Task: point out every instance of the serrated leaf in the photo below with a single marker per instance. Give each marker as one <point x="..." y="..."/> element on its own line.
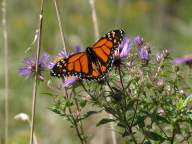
<point x="104" y="121"/>
<point x="154" y="136"/>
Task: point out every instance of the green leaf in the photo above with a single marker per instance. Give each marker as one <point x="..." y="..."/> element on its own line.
<point x="104" y="121"/>
<point x="88" y="114"/>
<point x="154" y="136"/>
<point x="48" y="94"/>
<point x="130" y="104"/>
<point x="157" y="118"/>
<point x="126" y="133"/>
<point x="68" y="103"/>
<point x="180" y="104"/>
<point x="140" y="121"/>
<point x="57" y="111"/>
<point x="121" y="125"/>
<point x="83" y="103"/>
<point x="188" y="100"/>
<point x="147" y="142"/>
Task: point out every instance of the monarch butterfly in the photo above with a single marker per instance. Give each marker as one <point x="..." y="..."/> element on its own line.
<point x="92" y="64"/>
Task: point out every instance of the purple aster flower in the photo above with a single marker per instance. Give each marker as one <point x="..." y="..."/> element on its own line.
<point x="125" y="48"/>
<point x="29" y="66"/>
<point x="138" y="41"/>
<point x="62" y="54"/>
<point x="69" y="82"/>
<point x="187" y="59"/>
<point x="144" y="53"/>
<point x="123" y="51"/>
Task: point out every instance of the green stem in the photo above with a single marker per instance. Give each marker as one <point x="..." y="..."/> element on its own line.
<point x="78" y="111"/>
<point x="173" y="136"/>
<point x="76" y="127"/>
<point x="135" y="112"/>
<point x="121" y="79"/>
<point x="75" y="122"/>
<point x="162" y="131"/>
<point x="109" y="86"/>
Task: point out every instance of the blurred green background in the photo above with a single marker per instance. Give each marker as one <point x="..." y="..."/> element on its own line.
<point x="163" y="23"/>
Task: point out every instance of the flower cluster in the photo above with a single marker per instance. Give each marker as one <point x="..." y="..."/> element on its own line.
<point x="146" y="99"/>
<point x="143" y="49"/>
<point x="29" y="66"/>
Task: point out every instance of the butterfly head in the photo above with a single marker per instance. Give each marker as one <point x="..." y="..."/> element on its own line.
<point x="116" y="36"/>
<point x="59" y="69"/>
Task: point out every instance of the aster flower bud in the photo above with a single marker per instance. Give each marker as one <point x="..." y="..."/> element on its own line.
<point x="143" y="53"/>
<point x="160" y="84"/>
<point x="138" y="41"/>
<point x="161" y="112"/>
<point x="159" y="57"/>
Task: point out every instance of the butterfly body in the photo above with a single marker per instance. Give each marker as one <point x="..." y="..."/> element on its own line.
<point x="92" y="64"/>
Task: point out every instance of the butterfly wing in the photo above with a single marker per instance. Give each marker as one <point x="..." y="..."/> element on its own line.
<point x="81" y="64"/>
<point x="76" y="64"/>
<point x="104" y="50"/>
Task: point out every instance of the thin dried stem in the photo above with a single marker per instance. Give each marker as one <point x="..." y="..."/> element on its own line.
<point x="94" y="19"/>
<point x="118" y="14"/>
<point x="96" y="31"/>
<point x="66" y="93"/>
<point x="36" y="74"/>
<point x="60" y="26"/>
<point x="4" y="24"/>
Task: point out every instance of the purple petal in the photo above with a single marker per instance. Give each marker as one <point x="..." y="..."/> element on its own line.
<point x="62" y="54"/>
<point x="50" y="65"/>
<point x="138" y="41"/>
<point x="125" y="47"/>
<point x="185" y="59"/>
<point x="178" y="61"/>
<point x="44" y="58"/>
<point x="25" y="71"/>
<point x="77" y="49"/>
<point x="28" y="61"/>
<point x="143" y="53"/>
<point x="70" y="82"/>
